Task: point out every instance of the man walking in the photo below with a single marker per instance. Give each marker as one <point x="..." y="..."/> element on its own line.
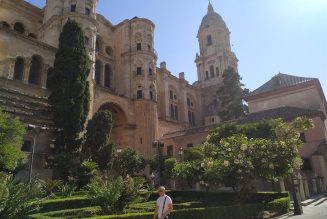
<point x="164" y="205"/>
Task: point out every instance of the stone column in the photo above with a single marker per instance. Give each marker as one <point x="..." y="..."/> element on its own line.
<point x="301" y="187"/>
<point x="306" y="187"/>
<point x="27" y="66"/>
<point x="11" y="67"/>
<point x="281" y="185"/>
<point x="314" y="185"/>
<point x="44" y="76"/>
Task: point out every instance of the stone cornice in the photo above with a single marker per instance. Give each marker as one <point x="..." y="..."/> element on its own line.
<point x="23" y="7"/>
<point x="29" y="39"/>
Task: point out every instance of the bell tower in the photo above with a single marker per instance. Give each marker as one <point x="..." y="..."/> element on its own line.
<point x="215" y="50"/>
<point x="214" y="58"/>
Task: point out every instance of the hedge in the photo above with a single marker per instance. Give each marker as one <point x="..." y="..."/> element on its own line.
<point x="225" y="212"/>
<point x="279" y="206"/>
<point x="264" y="197"/>
<point x="65" y="203"/>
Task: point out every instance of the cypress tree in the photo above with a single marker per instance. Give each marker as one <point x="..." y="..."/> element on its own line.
<point x="70" y="89"/>
<point x="231" y="95"/>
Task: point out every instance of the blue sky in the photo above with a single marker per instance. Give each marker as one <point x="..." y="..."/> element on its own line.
<point x="270" y="36"/>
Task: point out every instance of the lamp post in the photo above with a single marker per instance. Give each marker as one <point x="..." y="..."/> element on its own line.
<point x="36" y="132"/>
<point x="158" y="145"/>
<point x="296" y="196"/>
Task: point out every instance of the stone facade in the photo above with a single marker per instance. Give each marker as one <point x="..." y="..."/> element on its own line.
<point x="148" y="103"/>
<point x="300" y="95"/>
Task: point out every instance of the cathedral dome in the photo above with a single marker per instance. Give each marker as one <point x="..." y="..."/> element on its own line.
<point x="211" y="18"/>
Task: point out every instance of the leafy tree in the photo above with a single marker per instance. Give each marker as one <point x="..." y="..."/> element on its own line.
<point x="230" y="95"/>
<point x="169" y="165"/>
<point x="11" y="139"/>
<point x="97" y="145"/>
<point x="235" y="155"/>
<point x="70" y="88"/>
<point x="128" y="162"/>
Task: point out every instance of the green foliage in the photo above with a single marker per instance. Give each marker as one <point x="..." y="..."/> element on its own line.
<point x="234" y="155"/>
<point x="87" y="171"/>
<point x="67" y="189"/>
<point x="97" y="145"/>
<point x="50" y="186"/>
<point x="65" y="203"/>
<point x="169" y="166"/>
<point x="278" y="206"/>
<point x="11" y="139"/>
<point x="128" y="162"/>
<point x="16" y="199"/>
<point x="70" y="89"/>
<point x="230" y="95"/>
<point x="113" y="196"/>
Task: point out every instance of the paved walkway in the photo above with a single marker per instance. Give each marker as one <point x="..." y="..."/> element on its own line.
<point x="315" y="208"/>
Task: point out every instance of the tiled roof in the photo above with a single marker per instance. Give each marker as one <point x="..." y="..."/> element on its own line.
<point x="285" y="113"/>
<point x="280" y="81"/>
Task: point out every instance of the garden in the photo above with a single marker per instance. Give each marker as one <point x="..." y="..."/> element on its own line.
<point x="94" y="180"/>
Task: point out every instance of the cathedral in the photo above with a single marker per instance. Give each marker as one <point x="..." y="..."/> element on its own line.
<point x="149" y="104"/>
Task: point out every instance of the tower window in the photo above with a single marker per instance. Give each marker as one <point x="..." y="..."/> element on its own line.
<point x="19" y="27"/>
<point x="207" y="75"/>
<point x="150" y="71"/>
<point x="139" y="71"/>
<point x="87" y="11"/>
<point x="209" y="40"/>
<point x="212" y="71"/>
<point x="151" y="95"/>
<point x="138" y="46"/>
<point x="73" y="8"/>
<point x="217" y="71"/>
<point x="139" y="94"/>
<point x="171" y="95"/>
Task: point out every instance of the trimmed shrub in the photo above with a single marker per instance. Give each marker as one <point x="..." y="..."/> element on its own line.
<point x="229" y="212"/>
<point x="279" y="206"/>
<point x="65" y="203"/>
<point x="265" y="197"/>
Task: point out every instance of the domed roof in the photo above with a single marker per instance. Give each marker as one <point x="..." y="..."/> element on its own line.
<point x="211" y="18"/>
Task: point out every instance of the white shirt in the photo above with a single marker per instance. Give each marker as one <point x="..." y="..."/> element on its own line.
<point x="160" y="202"/>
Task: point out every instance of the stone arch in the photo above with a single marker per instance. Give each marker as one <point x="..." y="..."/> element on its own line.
<point x="36" y="69"/>
<point x="4" y="24"/>
<point x="19" y="68"/>
<point x="120" y="132"/>
<point x="98" y="71"/>
<point x="19" y="27"/>
<point x="107" y="75"/>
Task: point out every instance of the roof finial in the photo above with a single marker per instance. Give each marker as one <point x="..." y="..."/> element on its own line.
<point x="210" y="8"/>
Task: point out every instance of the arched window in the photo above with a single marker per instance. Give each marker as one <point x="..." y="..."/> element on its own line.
<point x="87" y="11"/>
<point x="19" y="27"/>
<point x="107" y="76"/>
<point x="35" y="74"/>
<point x="98" y="68"/>
<point x="209" y="40"/>
<point x="19" y="67"/>
<point x="5" y="24"/>
<point x="109" y="51"/>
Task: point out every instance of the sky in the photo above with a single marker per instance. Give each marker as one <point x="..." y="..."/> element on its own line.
<point x="267" y="36"/>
